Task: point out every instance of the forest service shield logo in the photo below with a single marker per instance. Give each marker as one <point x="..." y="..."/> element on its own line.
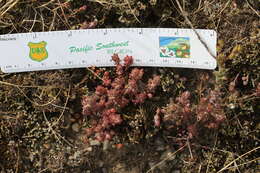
<point x="38" y="51"/>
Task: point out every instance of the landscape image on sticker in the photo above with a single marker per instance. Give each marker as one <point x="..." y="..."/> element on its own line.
<point x="175" y="47"/>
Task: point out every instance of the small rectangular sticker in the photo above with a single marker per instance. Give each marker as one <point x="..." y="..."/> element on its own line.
<point x="174" y="47"/>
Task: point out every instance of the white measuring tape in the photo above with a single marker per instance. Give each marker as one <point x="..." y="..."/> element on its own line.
<point x="159" y="47"/>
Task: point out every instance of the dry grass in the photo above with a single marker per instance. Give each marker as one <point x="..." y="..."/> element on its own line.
<point x="38" y="109"/>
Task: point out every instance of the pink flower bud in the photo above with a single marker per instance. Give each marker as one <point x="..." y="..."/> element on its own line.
<point x="108" y="136"/>
<point x="116" y="59"/>
<point x="100" y="90"/>
<point x="157" y="118"/>
<point x="128" y="60"/>
<point x="150" y="95"/>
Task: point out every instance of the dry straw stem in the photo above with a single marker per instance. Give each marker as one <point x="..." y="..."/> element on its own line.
<point x="129" y="5"/>
<point x="252" y="8"/>
<point x="57" y="135"/>
<point x="250" y="161"/>
<point x="188" y="144"/>
<point x="185" y="15"/>
<point x="46" y="4"/>
<point x="226" y="5"/>
<point x="30" y="100"/>
<point x="94" y="73"/>
<point x="167" y="158"/>
<point x="7" y="6"/>
<point x="109" y="2"/>
<point x="211" y="154"/>
<point x="64" y="107"/>
<point x="34" y="21"/>
<point x="7" y="115"/>
<point x="114" y="3"/>
<point x="63" y="13"/>
<point x="35" y="16"/>
<point x="228" y="165"/>
<point x="17" y="161"/>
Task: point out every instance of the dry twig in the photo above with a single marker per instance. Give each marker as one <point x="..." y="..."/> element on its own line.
<point x="30" y="100"/>
<point x="228" y="165"/>
<point x="185" y="15"/>
<point x="167" y="158"/>
<point x="57" y="135"/>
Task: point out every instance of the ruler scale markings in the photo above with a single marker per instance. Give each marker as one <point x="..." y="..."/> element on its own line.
<point x="81" y="48"/>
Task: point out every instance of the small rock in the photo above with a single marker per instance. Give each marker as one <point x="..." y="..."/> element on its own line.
<point x="46" y="146"/>
<point x="160" y="148"/>
<point x="104" y="170"/>
<point x="11" y="143"/>
<point x="168" y="155"/>
<point x="94" y="142"/>
<point x="105" y="145"/>
<point x="72" y="120"/>
<point x="89" y="149"/>
<point x="77" y="154"/>
<point x="151" y="164"/>
<point x="231" y="106"/>
<point x="161" y="71"/>
<point x="176" y="171"/>
<point x="31" y="156"/>
<point x="100" y="164"/>
<point x="75" y="127"/>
